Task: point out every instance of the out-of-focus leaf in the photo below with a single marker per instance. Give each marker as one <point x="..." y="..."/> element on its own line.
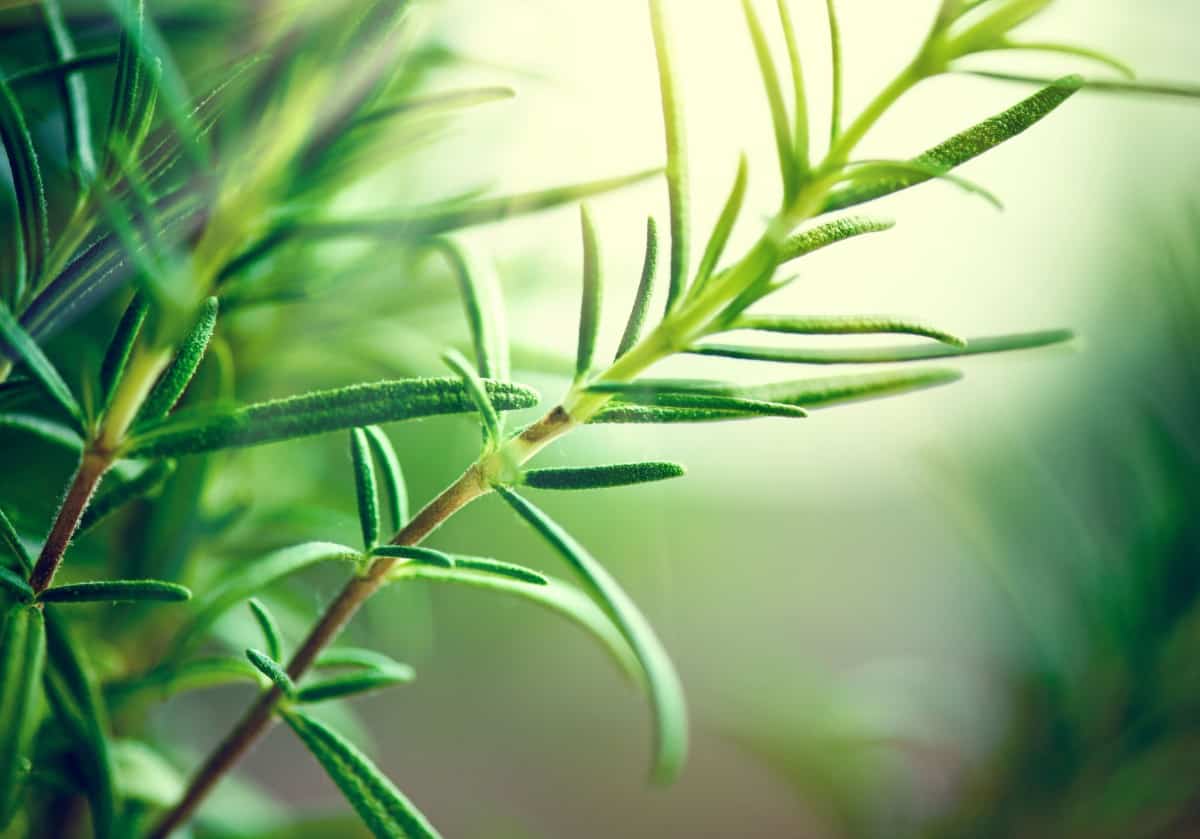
<point x="17" y="344"/>
<point x="22" y="656"/>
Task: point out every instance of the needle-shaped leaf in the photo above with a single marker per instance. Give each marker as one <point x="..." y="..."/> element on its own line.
<point x="178" y="375"/>
<point x="833" y="390"/>
<point x="800" y="131"/>
<point x="75" y="697"/>
<point x="780" y="122"/>
<point x="73" y="90"/>
<point x="273" y="670"/>
<point x="22" y="657"/>
<point x="32" y="217"/>
<point x="1075" y="52"/>
<point x="844" y="325"/>
<point x="645" y="290"/>
<point x="116" y="495"/>
<point x="1120" y="86"/>
<point x="551" y="594"/>
<point x="868" y="173"/>
<point x="318" y="412"/>
<point x="667" y="406"/>
<point x="627" y="414"/>
<point x="415" y="553"/>
<point x="662" y="682"/>
<point x="268" y="627"/>
<point x="808" y="241"/>
<point x="382" y="807"/>
<point x="49" y="431"/>
<point x="677" y="161"/>
<point x="488" y="417"/>
<point x="196" y="674"/>
<point x="393" y="477"/>
<point x="966" y="146"/>
<point x="436" y="104"/>
<point x="247" y="581"/>
<point x="879" y="355"/>
<point x="16" y="585"/>
<point x="598" y="477"/>
<point x="116" y="356"/>
<point x="13" y="545"/>
<point x="352" y="684"/>
<point x="113" y="591"/>
<point x="441" y="559"/>
<point x="835" y="53"/>
<point x="17" y="344"/>
<point x="83" y="61"/>
<point x="593" y="289"/>
<point x="993" y="27"/>
<point x="358" y="658"/>
<point x="484" y="307"/>
<point x="366" y="488"/>
<point x="724" y="226"/>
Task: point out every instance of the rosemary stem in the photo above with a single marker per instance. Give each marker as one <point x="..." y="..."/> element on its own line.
<point x="87" y="477"/>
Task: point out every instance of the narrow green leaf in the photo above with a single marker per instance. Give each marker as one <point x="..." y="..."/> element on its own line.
<point x="359" y="658"/>
<point x="835" y="51"/>
<point x="553" y="595"/>
<point x="436" y="104"/>
<point x="966" y="146"/>
<point x="113" y="591"/>
<point x="249" y="580"/>
<point x="489" y="418"/>
<point x="352" y="684"/>
<point x="384" y="809"/>
<point x="645" y="290"/>
<point x="33" y="222"/>
<point x="1137" y="88"/>
<point x="22" y="656"/>
<point x="879" y="355"/>
<point x="320" y="411"/>
<point x="677" y="165"/>
<point x="415" y="553"/>
<point x="484" y="307"/>
<point x="622" y="413"/>
<point x="268" y="627"/>
<point x="866" y="174"/>
<point x="815" y="393"/>
<point x="503" y="569"/>
<point x="175" y="379"/>
<point x="844" y="325"/>
<point x="16" y="343"/>
<point x="682" y="405"/>
<point x="593" y="289"/>
<point x="779" y="115"/>
<point x="366" y="488"/>
<point x="800" y="133"/>
<point x="114" y="496"/>
<point x="49" y="431"/>
<point x="723" y="228"/>
<point x="121" y="346"/>
<point x="666" y="693"/>
<point x="16" y="585"/>
<point x="1075" y="52"/>
<point x="839" y="230"/>
<point x="993" y="27"/>
<point x="12" y="541"/>
<point x="598" y="477"/>
<point x="75" y="697"/>
<point x="172" y="679"/>
<point x="73" y="91"/>
<point x="393" y="476"/>
<point x="273" y="671"/>
<point x="86" y="60"/>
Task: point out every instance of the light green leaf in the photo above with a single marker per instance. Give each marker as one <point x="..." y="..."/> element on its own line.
<point x="384" y="809"/>
<point x="366" y="489"/>
<point x="598" y="477"/>
<point x="1074" y="51"/>
<point x="666" y="693"/>
<point x="779" y="116"/>
<point x="833" y="390"/>
<point x="867" y="174"/>
<point x="844" y="325"/>
<point x="645" y="290"/>
<point x="723" y="228"/>
<point x="116" y="356"/>
<point x="12" y="542"/>
<point x="273" y="670"/>
<point x="1119" y="86"/>
<point x="484" y="307"/>
<point x="358" y="658"/>
<point x="321" y="411"/>
<point x="268" y="627"/>
<point x="835" y="49"/>
<point x="809" y="241"/>
<point x="489" y="419"/>
<point x="113" y="591"/>
<point x="593" y="288"/>
<point x="175" y="379"/>
<point x="436" y="104"/>
<point x="17" y="344"/>
<point x="677" y="163"/>
<point x="22" y="657"/>
<point x="800" y="129"/>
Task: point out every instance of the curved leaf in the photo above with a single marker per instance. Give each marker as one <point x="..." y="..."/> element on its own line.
<point x="844" y="325"/>
<point x="393" y="476"/>
<point x="268" y="627"/>
<point x="112" y="591"/>
<point x="645" y="290"/>
<point x="593" y="289"/>
<point x="366" y="490"/>
<point x="488" y="418"/>
<point x="597" y="477"/>
<point x="830" y="233"/>
<point x="17" y="344"/>
<point x="677" y="164"/>
<point x="788" y="170"/>
<point x="32" y="221"/>
<point x="273" y="670"/>
<point x="178" y="375"/>
<point x="22" y="656"/>
<point x="352" y="684"/>
<point x="484" y="307"/>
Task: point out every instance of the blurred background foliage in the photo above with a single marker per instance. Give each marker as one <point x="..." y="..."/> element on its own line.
<point x="967" y="613"/>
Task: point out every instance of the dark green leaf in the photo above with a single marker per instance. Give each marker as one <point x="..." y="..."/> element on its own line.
<point x="965" y="146"/>
<point x="22" y="655"/>
<point x="183" y="367"/>
<point x="415" y="553"/>
<point x="366" y="490"/>
<point x="779" y="116"/>
<point x="489" y="419"/>
<point x="879" y="355"/>
<point x="645" y="289"/>
<point x="677" y="165"/>
<point x="321" y="411"/>
<point x="596" y="477"/>
<point x="47" y="430"/>
<point x="32" y="218"/>
<point x="16" y="585"/>
<point x="114" y="497"/>
<point x="274" y="671"/>
<point x="662" y="681"/>
<point x="593" y="289"/>
<point x="83" y="61"/>
<point x="393" y="478"/>
<point x="503" y="569"/>
<point x="724" y="226"/>
<point x="121" y="345"/>
<point x="692" y="407"/>
<point x="830" y="233"/>
<point x="115" y="591"/>
<point x="16" y="343"/>
<point x="12" y="542"/>
<point x="352" y="684"/>
<point x="73" y="91"/>
<point x="268" y="627"/>
<point x="484" y="307"/>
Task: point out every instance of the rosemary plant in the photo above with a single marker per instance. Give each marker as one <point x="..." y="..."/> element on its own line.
<point x="186" y="208"/>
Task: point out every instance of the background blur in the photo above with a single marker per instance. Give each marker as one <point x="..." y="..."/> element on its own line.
<point x="956" y="613"/>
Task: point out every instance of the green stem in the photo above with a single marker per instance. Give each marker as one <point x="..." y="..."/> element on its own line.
<point x="840" y="151"/>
